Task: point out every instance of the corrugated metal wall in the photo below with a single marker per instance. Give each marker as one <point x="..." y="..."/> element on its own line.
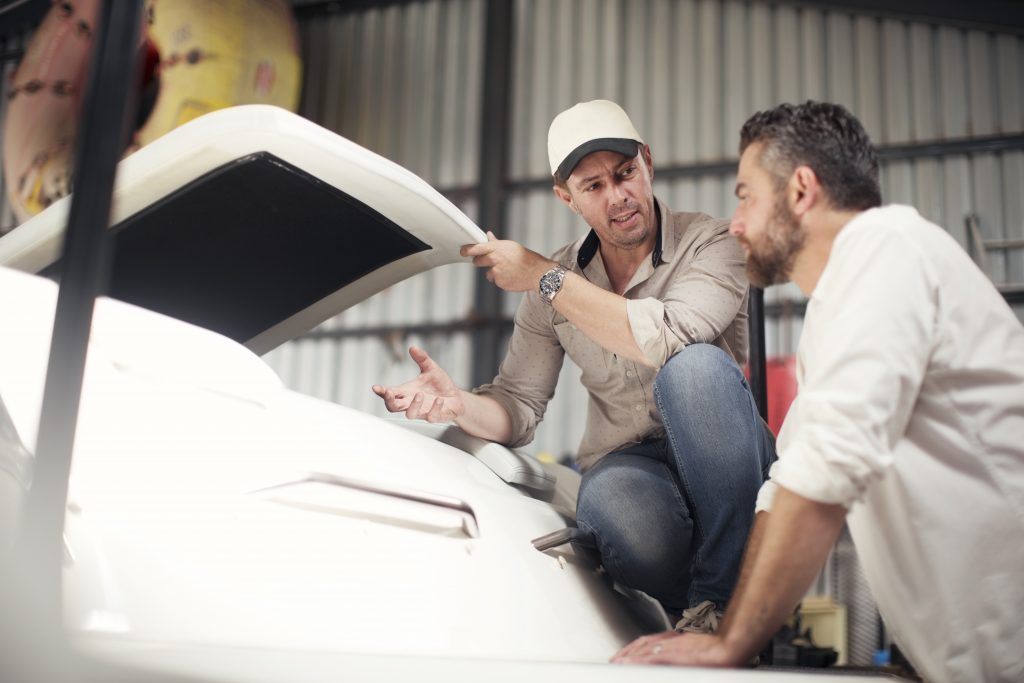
<point x="691" y="71"/>
<point x="404" y="80"/>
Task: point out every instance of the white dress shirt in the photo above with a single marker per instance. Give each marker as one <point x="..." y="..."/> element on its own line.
<point x="910" y="413"/>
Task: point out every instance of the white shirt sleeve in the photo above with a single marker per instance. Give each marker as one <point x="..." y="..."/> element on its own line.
<point x="867" y="341"/>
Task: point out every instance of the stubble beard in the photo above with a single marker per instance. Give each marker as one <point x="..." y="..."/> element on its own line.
<point x="635" y="238"/>
<point x="632" y="240"/>
<point x="771" y="261"/>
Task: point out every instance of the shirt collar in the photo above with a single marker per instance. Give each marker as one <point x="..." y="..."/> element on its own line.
<point x="591" y="243"/>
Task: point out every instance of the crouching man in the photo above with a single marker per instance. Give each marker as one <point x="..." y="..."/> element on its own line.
<point x="651" y="305"/>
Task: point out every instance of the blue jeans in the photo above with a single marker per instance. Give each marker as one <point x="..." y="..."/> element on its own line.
<point x="671" y="516"/>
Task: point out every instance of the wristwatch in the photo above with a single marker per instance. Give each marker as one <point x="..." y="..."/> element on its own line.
<point x="551" y="283"/>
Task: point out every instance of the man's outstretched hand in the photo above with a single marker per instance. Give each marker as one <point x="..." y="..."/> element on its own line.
<point x="431" y="396"/>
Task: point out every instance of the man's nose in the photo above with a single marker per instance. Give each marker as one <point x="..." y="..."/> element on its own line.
<point x="736" y="227"/>
<point x="618" y="194"/>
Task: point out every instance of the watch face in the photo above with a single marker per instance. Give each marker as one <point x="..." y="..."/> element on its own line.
<point x="551" y="282"/>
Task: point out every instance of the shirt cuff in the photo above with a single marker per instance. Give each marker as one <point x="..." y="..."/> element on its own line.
<point x="765" y="497"/>
<point x="647" y="323"/>
<point x="522" y="427"/>
<point x="831" y="481"/>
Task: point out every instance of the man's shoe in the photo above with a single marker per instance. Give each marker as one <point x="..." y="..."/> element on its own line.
<point x="704" y="618"/>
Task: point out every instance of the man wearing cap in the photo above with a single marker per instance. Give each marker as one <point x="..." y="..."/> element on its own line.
<point x="651" y="305"/>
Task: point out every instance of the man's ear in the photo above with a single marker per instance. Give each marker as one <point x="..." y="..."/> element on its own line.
<point x="648" y="159"/>
<point x="565" y="197"/>
<point x="804" y="190"/>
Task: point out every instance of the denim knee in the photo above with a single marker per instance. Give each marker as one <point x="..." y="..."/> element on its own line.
<point x="696" y="368"/>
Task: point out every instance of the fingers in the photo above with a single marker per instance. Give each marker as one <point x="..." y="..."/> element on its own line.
<point x="415" y="409"/>
<point x="423" y="360"/>
<point x="423" y="398"/>
<point x="430" y="409"/>
<point x="439" y="412"/>
<point x="477" y="249"/>
<point x="394" y="402"/>
<point x="631" y="648"/>
<point x="640" y="649"/>
<point x="684" y="649"/>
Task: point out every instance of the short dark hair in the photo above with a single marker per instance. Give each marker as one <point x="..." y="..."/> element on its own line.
<point x="827" y="138"/>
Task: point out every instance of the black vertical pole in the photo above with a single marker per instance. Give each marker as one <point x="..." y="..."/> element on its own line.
<point x="494" y="152"/>
<point x="758" y="363"/>
<point x="100" y="141"/>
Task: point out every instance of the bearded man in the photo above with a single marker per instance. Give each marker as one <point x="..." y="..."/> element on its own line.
<point x="908" y="425"/>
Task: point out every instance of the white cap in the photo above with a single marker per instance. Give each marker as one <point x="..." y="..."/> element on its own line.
<point x="598" y="125"/>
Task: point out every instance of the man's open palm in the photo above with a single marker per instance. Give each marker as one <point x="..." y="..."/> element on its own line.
<point x="431" y="396"/>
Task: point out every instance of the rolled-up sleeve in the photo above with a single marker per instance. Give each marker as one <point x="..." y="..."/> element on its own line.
<point x="528" y="375"/>
<point x="866" y="345"/>
<point x="702" y="301"/>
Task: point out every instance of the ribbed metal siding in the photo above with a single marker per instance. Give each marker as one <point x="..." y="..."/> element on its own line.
<point x="946" y="189"/>
<point x="404" y="81"/>
<point x="689" y="72"/>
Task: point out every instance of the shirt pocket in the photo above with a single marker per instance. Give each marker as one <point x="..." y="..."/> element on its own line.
<point x="590" y="357"/>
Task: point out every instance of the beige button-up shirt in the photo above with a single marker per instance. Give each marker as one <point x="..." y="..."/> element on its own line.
<point x="692" y="289"/>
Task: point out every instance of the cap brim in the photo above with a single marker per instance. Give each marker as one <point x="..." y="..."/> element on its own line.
<point x="623" y="146"/>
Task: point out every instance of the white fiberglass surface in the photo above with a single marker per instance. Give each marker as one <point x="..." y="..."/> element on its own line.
<point x="217" y="140"/>
<point x="179" y="529"/>
<point x="214" y="139"/>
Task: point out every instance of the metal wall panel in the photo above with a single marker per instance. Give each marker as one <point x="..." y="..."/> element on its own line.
<point x="690" y="72"/>
<point x="404" y="81"/>
<point x="946" y="189"/>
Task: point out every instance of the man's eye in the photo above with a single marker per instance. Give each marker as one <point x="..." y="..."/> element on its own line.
<point x="629" y="171"/>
